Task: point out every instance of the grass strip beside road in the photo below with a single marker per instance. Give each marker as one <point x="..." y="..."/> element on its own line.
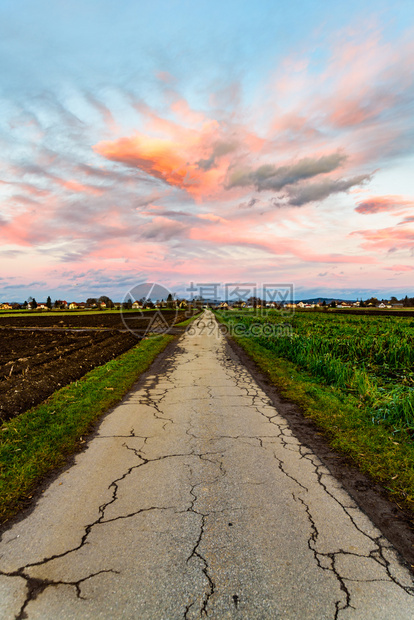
<point x="41" y="439"/>
<point x="188" y="321"/>
<point x="385" y="456"/>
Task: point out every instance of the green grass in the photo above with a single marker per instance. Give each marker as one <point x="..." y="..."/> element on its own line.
<point x="41" y="439"/>
<point x="338" y="370"/>
<point x="187" y="321"/>
<point x="368" y="356"/>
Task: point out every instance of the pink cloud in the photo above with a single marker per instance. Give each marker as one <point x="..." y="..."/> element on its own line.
<point x="186" y="114"/>
<point x="74" y="186"/>
<point x="324" y="130"/>
<point x="352" y="112"/>
<point x="243" y="237"/>
<point x="357" y="100"/>
<point x="386" y="239"/>
<point x="378" y="204"/>
<point x="211" y="217"/>
<point x="166" y="77"/>
<point x="400" y="268"/>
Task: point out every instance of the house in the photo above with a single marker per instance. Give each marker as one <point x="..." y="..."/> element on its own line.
<point x="73" y="305"/>
<point x="381" y="305"/>
<point x="5" y="306"/>
<point x="136" y="305"/>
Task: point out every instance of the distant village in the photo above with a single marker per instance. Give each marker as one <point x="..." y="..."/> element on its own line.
<point x="104" y="303"/>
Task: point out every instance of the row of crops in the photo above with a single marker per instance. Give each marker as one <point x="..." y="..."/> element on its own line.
<point x="369" y="357"/>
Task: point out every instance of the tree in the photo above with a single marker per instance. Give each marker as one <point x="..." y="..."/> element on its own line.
<point x="91" y="301"/>
<point x="333" y="304"/>
<point x="408" y="302"/>
<point x="170" y="301"/>
<point x="104" y="299"/>
<point x="255" y="301"/>
<point x="33" y="303"/>
<point x="49" y="303"/>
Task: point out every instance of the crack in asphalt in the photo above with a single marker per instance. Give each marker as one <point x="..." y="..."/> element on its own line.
<point x="377" y="553"/>
<point x="153" y="397"/>
<point x="195" y="552"/>
<point x="245" y="382"/>
<point x="312" y="540"/>
<point x="35" y="587"/>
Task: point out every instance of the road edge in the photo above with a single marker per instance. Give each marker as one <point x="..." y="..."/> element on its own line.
<point x="44" y="483"/>
<point x="396" y="524"/>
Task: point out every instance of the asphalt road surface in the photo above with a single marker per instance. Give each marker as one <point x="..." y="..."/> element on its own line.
<point x="194" y="500"/>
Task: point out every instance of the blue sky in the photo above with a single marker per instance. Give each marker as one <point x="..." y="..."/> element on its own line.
<point x="207" y="141"/>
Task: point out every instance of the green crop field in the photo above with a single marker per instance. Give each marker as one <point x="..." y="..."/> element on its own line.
<point x="371" y="358"/>
<point x="352" y="375"/>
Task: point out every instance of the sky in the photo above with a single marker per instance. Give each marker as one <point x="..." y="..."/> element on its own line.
<point x="224" y="142"/>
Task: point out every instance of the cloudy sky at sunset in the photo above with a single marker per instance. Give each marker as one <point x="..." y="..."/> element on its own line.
<point x="208" y="141"/>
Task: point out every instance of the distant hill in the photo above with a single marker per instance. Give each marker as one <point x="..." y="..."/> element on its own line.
<point x="328" y="300"/>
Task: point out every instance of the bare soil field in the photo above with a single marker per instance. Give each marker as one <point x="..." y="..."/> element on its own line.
<point x="34" y="364"/>
<point x="109" y="320"/>
<point x="42" y="353"/>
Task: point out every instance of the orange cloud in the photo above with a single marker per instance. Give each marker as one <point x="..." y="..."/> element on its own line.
<point x="174" y="161"/>
<point x="193" y="152"/>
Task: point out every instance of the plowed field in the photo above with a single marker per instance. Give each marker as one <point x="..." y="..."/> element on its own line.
<point x="41" y="353"/>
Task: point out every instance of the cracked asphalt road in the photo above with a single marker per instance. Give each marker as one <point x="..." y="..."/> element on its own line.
<point x="195" y="500"/>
